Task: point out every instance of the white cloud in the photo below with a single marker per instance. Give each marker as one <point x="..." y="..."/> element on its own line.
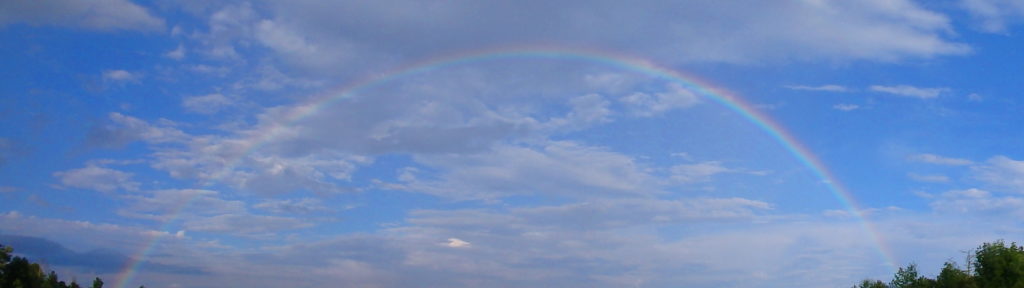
<point x="910" y="91"/>
<point x="557" y="168"/>
<point x="97" y="15"/>
<point x="689" y="173"/>
<point x="1003" y="172"/>
<point x="292" y="206"/>
<point x="206" y="104"/>
<point x="928" y="178"/>
<point x="245" y="224"/>
<point x="97" y="178"/>
<point x="586" y="110"/>
<point x="457" y="243"/>
<point x="939" y="160"/>
<point x="977" y="202"/>
<point x="647" y="105"/>
<point x="872" y="30"/>
<point x="846" y="107"/>
<point x="995" y="15"/>
<point x="120" y="76"/>
<point x="823" y="88"/>
<point x="177" y="53"/>
<point x="122" y="129"/>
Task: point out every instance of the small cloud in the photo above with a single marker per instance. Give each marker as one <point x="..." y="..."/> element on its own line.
<point x="176" y="54"/>
<point x="975" y="97"/>
<point x="97" y="178"/>
<point x="457" y="243"/>
<point x="845" y="107"/>
<point x="180" y="234"/>
<point x="822" y="88"/>
<point x="928" y="178"/>
<point x="119" y="76"/>
<point x="647" y="105"/>
<point x="910" y="91"/>
<point x="206" y="104"/>
<point x="699" y="172"/>
<point x="939" y="160"/>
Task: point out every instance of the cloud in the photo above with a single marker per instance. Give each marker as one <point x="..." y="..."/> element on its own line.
<point x="867" y="30"/>
<point x="121" y="129"/>
<point x="177" y="53"/>
<point x="846" y="107"/>
<point x="120" y="75"/>
<point x="292" y="206"/>
<point x="928" y="178"/>
<point x="1003" y="172"/>
<point x="43" y="250"/>
<point x="97" y="178"/>
<point x="556" y="168"/>
<point x="910" y="91"/>
<point x="206" y="104"/>
<point x="939" y="160"/>
<point x="699" y="172"/>
<point x="977" y="202"/>
<point x="823" y="88"/>
<point x="246" y="224"/>
<point x="995" y="15"/>
<point x="647" y="105"/>
<point x="457" y="243"/>
<point x="207" y="211"/>
<point x="103" y="15"/>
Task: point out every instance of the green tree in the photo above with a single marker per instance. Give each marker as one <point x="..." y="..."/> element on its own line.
<point x="51" y="280"/>
<point x="98" y="283"/>
<point x="953" y="277"/>
<point x="867" y="283"/>
<point x="905" y="277"/>
<point x="999" y="266"/>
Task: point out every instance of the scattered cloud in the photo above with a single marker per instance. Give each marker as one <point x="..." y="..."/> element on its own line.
<point x="206" y="104"/>
<point x="995" y="16"/>
<point x="846" y="107"/>
<point x="910" y="91"/>
<point x="939" y="160"/>
<point x="103" y="15"/>
<point x="556" y="168"/>
<point x="120" y="129"/>
<point x="1001" y="171"/>
<point x="975" y="97"/>
<point x="120" y="76"/>
<point x="823" y="88"/>
<point x="177" y="53"/>
<point x="928" y="178"/>
<point x="647" y="105"/>
<point x="457" y="243"/>
<point x="978" y="202"/>
<point x="97" y="178"/>
<point x="292" y="206"/>
<point x="689" y="173"/>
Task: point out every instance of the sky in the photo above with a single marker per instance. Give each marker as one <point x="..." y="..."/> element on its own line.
<point x="460" y="143"/>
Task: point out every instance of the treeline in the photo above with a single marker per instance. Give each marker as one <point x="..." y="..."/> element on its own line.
<point x="18" y="272"/>
<point x="992" y="265"/>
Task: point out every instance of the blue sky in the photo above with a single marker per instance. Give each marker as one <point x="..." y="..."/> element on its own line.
<point x="189" y="143"/>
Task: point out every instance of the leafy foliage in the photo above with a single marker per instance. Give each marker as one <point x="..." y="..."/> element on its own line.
<point x="995" y="264"/>
<point x="18" y="272"/>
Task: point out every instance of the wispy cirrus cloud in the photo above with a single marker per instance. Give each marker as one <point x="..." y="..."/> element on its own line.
<point x="910" y="91"/>
<point x="823" y="88"/>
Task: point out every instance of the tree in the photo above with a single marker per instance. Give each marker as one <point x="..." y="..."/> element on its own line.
<point x="953" y="277"/>
<point x="98" y="283"/>
<point x="905" y="278"/>
<point x="999" y="266"/>
<point x="867" y="283"/>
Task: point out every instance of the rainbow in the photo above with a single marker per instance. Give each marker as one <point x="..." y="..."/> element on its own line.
<point x="718" y="95"/>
